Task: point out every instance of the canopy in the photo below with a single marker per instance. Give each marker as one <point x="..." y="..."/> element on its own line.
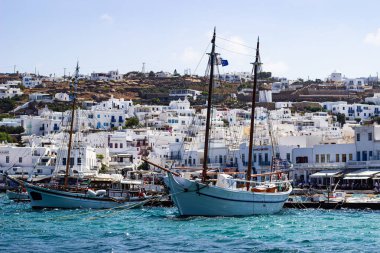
<point x="361" y="174"/>
<point x="326" y="174"/>
<point x="355" y="178"/>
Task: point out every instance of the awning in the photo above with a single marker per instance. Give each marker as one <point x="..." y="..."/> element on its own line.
<point x="136" y="182"/>
<point x="361" y="174"/>
<point x="326" y="174"/>
<point x="355" y="178"/>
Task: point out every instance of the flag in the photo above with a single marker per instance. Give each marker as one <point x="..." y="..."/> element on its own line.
<point x="224" y="62"/>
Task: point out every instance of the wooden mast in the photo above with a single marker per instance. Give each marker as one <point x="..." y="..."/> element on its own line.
<point x="71" y="126"/>
<point x="249" y="168"/>
<point x="208" y="117"/>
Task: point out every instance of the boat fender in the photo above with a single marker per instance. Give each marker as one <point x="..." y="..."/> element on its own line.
<point x="91" y="193"/>
<point x="100" y="193"/>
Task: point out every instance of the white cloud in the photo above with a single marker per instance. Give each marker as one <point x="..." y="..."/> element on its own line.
<point x="106" y="18"/>
<point x="373" y="38"/>
<point x="277" y="68"/>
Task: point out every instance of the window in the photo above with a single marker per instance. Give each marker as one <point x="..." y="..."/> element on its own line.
<point x="350" y="158"/>
<point x="370" y="155"/>
<point x="328" y="158"/>
<point x="111" y="145"/>
<point x="79" y="161"/>
<point x="20" y="159"/>
<point x="316" y="158"/>
<point x="121" y="145"/>
<point x="116" y="145"/>
<point x="7" y="159"/>
<point x="288" y="156"/>
<point x="344" y="158"/>
<point x="370" y="136"/>
<point x="302" y="159"/>
<point x="64" y="161"/>
<point x="357" y="137"/>
<point x="337" y="158"/>
<point x="323" y="158"/>
<point x="358" y="155"/>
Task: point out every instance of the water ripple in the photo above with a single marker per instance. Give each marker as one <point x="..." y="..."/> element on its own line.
<point x="161" y="230"/>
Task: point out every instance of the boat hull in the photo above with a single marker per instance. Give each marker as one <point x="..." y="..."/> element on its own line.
<point x="17" y="196"/>
<point x="41" y="197"/>
<point x="195" y="198"/>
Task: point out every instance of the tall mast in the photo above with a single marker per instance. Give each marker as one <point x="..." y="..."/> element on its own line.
<point x="71" y="124"/>
<point x="256" y="66"/>
<point x="208" y="117"/>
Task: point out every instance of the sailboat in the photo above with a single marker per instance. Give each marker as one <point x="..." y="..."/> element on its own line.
<point x="202" y="198"/>
<point x="66" y="197"/>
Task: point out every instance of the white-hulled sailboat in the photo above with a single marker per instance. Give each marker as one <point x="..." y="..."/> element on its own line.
<point x="193" y="197"/>
<point x="66" y="197"/>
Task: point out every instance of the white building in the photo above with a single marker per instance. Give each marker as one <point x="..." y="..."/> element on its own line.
<point x="355" y="84"/>
<point x="110" y="76"/>
<point x="10" y="89"/>
<point x="26" y="160"/>
<point x="281" y="85"/>
<point x="335" y="77"/>
<point x="63" y="97"/>
<point x="182" y="93"/>
<point x="30" y="82"/>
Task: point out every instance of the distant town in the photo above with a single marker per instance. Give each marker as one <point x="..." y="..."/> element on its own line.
<point x="323" y="126"/>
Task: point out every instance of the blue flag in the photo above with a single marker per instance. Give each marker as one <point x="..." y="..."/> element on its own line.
<point x="224" y="62"/>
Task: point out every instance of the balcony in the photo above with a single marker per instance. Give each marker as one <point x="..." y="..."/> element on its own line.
<point x="311" y="166"/>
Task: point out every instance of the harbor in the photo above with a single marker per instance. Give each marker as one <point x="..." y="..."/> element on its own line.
<point x="192" y="126"/>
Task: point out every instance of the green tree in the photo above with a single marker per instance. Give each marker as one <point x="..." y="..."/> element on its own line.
<point x="5" y="137"/>
<point x="12" y="130"/>
<point x="341" y="118"/>
<point x="131" y="122"/>
<point x="151" y="74"/>
<point x="7" y="104"/>
<point x="156" y="101"/>
<point x="143" y="166"/>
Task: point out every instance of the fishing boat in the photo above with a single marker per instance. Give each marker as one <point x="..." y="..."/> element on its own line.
<point x="203" y="198"/>
<point x="73" y="197"/>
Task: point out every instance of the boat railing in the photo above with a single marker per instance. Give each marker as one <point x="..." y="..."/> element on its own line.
<point x="258" y="183"/>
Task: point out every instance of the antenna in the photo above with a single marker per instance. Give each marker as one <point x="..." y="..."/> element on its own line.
<point x="14" y="69"/>
<point x="64" y="74"/>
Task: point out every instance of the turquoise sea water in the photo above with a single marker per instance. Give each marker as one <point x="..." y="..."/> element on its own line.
<point x="160" y="230"/>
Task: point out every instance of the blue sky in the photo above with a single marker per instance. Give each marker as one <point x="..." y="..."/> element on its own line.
<point x="299" y="38"/>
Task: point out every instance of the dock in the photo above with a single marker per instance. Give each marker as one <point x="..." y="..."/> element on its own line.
<point x="333" y="205"/>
